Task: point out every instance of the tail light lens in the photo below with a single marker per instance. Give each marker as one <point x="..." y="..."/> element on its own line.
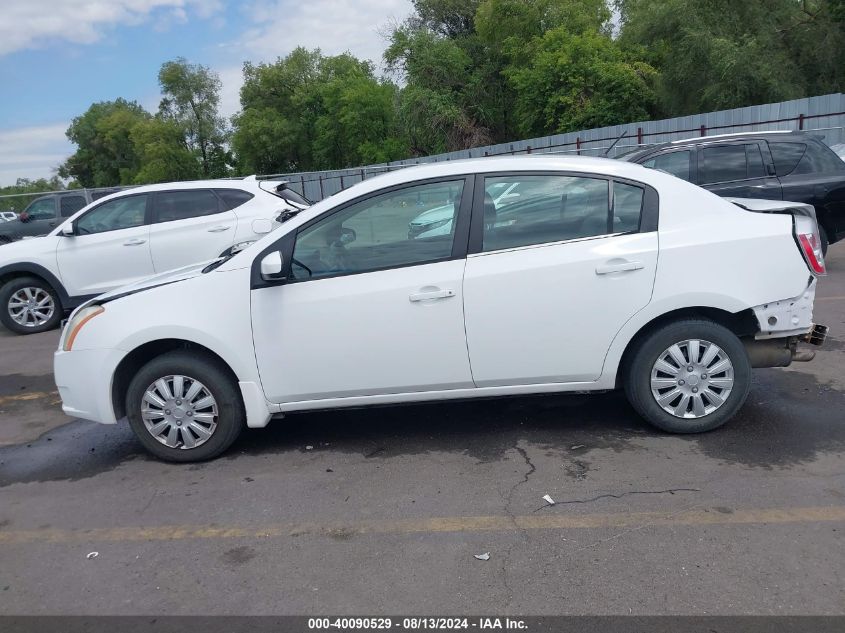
<point x="807" y="235"/>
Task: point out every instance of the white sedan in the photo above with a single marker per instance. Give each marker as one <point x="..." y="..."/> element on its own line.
<point x="600" y="275"/>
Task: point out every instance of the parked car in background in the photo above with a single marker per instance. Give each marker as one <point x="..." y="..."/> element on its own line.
<point x="8" y="216"/>
<point x="794" y="166"/>
<point x="601" y="275"/>
<point x="131" y="235"/>
<point x="45" y="213"/>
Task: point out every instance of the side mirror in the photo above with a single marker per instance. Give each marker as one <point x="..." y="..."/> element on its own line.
<point x="272" y="266"/>
<point x="67" y="230"/>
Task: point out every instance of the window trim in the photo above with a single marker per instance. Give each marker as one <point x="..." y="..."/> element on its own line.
<point x="222" y="207"/>
<point x="147" y="214"/>
<point x="649" y="213"/>
<point x="287" y="242"/>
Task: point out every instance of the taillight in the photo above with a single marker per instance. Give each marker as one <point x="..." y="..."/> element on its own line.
<point x="807" y="234"/>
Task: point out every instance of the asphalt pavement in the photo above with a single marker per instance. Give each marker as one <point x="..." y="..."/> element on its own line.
<point x="383" y="510"/>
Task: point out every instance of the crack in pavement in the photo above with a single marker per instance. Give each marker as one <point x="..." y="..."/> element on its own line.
<point x="508" y="499"/>
<point x="670" y="491"/>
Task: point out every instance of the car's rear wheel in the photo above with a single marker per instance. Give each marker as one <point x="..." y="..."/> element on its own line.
<point x="689" y="376"/>
<point x="185" y="407"/>
<point x="29" y="305"/>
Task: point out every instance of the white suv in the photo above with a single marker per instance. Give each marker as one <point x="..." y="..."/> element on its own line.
<point x="601" y="274"/>
<point x="131" y="235"/>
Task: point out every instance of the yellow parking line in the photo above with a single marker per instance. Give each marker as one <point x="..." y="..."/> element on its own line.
<point x="31" y="395"/>
<point x="546" y="521"/>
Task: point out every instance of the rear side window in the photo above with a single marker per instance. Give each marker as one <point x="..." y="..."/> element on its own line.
<point x="675" y="163"/>
<point x="786" y="156"/>
<point x="182" y="205"/>
<point x="68" y="205"/>
<point x="627" y="207"/>
<point x="724" y="163"/>
<point x="819" y="158"/>
<point x="233" y="198"/>
<point x="548" y="209"/>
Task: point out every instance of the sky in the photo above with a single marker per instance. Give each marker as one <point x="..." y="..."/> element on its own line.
<point x="57" y="57"/>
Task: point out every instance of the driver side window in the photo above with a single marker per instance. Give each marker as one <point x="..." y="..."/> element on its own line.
<point x="121" y="213"/>
<point x="381" y="232"/>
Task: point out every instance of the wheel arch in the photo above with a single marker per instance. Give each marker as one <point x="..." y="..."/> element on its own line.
<point x="29" y="269"/>
<point x="141" y="355"/>
<point x="742" y="323"/>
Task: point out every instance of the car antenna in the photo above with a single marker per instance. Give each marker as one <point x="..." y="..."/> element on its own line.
<point x="619" y="138"/>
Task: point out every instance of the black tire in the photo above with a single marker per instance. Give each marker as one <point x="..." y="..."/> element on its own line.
<point x="638" y="373"/>
<point x="230" y="419"/>
<point x="19" y="283"/>
<point x="824" y="240"/>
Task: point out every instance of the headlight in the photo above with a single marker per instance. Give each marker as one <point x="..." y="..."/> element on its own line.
<point x="75" y="325"/>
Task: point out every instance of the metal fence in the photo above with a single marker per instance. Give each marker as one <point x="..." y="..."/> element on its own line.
<point x="824" y="114"/>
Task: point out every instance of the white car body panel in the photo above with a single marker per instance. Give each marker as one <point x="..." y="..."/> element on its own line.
<point x="184" y="242"/>
<point x="93" y="264"/>
<point x="344" y="333"/>
<point x="520" y="304"/>
<point x="546" y="310"/>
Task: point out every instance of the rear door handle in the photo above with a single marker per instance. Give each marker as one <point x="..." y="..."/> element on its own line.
<point x="431" y="294"/>
<point x="218" y="229"/>
<point x="618" y="268"/>
<point x="134" y="242"/>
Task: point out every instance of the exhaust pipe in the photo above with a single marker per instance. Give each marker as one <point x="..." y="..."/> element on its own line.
<point x="776" y="352"/>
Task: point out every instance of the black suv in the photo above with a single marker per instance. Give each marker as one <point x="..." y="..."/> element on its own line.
<point x="793" y="166"/>
<point x="44" y="214"/>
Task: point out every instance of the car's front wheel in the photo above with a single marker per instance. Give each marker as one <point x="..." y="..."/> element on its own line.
<point x="29" y="305"/>
<point x="689" y="376"/>
<point x="185" y="407"/>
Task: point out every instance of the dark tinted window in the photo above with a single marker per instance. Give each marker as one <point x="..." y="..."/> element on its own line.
<point x="373" y="234"/>
<point x="786" y="156"/>
<point x="121" y="213"/>
<point x="181" y="205"/>
<point x="43" y="209"/>
<point x="548" y="209"/>
<point x="234" y="197"/>
<point x="755" y="161"/>
<point x="102" y="193"/>
<point x="723" y="163"/>
<point x="819" y="158"/>
<point x="69" y="205"/>
<point x="627" y="207"/>
<point x="675" y="163"/>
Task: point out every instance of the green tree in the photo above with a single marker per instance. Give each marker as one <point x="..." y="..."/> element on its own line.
<point x="718" y="54"/>
<point x="191" y="101"/>
<point x="306" y="111"/>
<point x="579" y="81"/>
<point x="105" y="152"/>
<point x="163" y="153"/>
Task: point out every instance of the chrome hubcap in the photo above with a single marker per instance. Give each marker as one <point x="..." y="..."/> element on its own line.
<point x="692" y="378"/>
<point x="31" y="307"/>
<point x="179" y="412"/>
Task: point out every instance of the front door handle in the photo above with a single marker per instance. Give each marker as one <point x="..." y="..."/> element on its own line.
<point x="618" y="267"/>
<point x="431" y="294"/>
<point x="134" y="242"/>
<point x="219" y="229"/>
